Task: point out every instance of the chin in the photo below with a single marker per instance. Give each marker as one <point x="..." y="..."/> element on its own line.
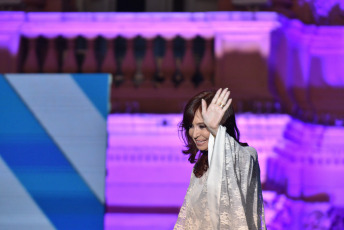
<point x="203" y="148"/>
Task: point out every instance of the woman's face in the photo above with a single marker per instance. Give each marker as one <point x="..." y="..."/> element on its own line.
<point x="199" y="132"/>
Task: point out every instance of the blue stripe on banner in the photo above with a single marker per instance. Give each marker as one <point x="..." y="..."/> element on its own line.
<point x="93" y="87"/>
<point x="42" y="168"/>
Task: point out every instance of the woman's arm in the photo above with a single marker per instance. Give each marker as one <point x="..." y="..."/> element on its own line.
<point x="242" y="163"/>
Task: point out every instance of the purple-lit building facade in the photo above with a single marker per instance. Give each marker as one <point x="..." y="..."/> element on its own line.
<point x="287" y="80"/>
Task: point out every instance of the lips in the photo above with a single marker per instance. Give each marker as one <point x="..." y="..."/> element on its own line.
<point x="198" y="143"/>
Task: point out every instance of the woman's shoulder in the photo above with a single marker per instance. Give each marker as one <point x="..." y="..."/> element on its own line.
<point x="246" y="157"/>
<point x="241" y="150"/>
<point x="251" y="152"/>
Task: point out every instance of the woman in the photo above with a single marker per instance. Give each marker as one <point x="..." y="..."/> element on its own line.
<point x="225" y="189"/>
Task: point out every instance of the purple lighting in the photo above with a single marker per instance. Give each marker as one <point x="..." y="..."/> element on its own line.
<point x="147" y="171"/>
<point x="297" y="67"/>
<point x="323" y="7"/>
<point x="148" y="174"/>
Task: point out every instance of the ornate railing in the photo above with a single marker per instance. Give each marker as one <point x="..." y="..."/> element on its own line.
<point x="152" y="56"/>
<point x="159" y="57"/>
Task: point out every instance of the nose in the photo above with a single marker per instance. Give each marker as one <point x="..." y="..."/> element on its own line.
<point x="195" y="133"/>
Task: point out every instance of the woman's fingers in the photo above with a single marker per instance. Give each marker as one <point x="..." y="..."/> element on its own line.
<point x="204" y="107"/>
<point x="213" y="113"/>
<point x="217" y="94"/>
<point x="225" y="99"/>
<point x="221" y="101"/>
<point x="229" y="102"/>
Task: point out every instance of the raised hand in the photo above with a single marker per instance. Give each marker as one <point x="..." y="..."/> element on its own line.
<point x="214" y="112"/>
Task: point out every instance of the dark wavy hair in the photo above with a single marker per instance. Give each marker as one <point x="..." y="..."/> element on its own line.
<point x="194" y="104"/>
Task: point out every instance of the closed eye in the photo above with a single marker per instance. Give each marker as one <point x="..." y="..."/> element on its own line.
<point x="202" y="126"/>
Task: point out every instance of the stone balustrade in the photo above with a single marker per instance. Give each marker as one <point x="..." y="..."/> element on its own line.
<point x="150" y="55"/>
<point x="172" y="56"/>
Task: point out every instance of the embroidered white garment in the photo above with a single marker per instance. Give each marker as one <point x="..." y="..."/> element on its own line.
<point x="229" y="194"/>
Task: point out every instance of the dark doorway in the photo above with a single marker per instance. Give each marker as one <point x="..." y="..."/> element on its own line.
<point x="178" y="5"/>
<point x="131" y="5"/>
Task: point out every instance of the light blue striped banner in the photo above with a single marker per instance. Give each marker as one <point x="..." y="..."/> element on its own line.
<point x="52" y="150"/>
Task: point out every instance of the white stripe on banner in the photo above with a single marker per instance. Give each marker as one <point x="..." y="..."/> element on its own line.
<point x="71" y="120"/>
<point x="18" y="209"/>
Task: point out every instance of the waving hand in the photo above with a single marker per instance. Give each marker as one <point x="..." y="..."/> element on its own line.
<point x="214" y="112"/>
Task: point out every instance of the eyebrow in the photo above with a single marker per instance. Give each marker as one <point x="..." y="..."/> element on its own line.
<point x="200" y="123"/>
